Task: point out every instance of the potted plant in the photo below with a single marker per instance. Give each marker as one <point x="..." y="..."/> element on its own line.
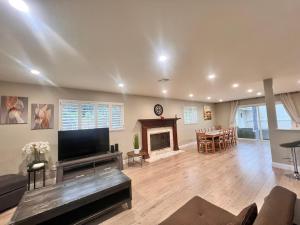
<point x="136" y="144"/>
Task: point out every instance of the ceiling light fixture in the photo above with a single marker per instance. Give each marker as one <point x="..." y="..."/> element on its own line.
<point x="235" y="85"/>
<point x="19" y="5"/>
<point x="162" y="58"/>
<point x="250" y="90"/>
<point x="208" y="98"/>
<point x="121" y="85"/>
<point x="220" y="100"/>
<point x="211" y="76"/>
<point x="164" y="91"/>
<point x="35" y="72"/>
<point x="191" y="95"/>
<point x="258" y="94"/>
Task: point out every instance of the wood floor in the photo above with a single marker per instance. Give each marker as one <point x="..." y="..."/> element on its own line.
<point x="232" y="180"/>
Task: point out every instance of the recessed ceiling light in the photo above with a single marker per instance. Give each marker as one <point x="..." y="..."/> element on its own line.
<point x="208" y="98"/>
<point x="211" y="76"/>
<point x="235" y="85"/>
<point x="35" y="72"/>
<point x="250" y="90"/>
<point x="121" y="85"/>
<point x="164" y="91"/>
<point x="19" y="5"/>
<point x="191" y="95"/>
<point x="298" y="81"/>
<point x="258" y="93"/>
<point x="220" y="100"/>
<point x="162" y="58"/>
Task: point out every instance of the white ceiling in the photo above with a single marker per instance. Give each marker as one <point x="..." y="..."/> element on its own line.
<point x="96" y="44"/>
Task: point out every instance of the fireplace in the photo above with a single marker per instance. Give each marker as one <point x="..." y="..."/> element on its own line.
<point x="156" y="126"/>
<point x="160" y="141"/>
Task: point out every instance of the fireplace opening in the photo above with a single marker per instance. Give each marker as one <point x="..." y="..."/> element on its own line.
<point x="160" y="141"/>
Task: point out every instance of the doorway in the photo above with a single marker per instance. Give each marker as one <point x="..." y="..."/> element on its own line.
<point x="252" y="122"/>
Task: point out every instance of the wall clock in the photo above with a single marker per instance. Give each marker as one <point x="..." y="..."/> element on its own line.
<point x="158" y="109"/>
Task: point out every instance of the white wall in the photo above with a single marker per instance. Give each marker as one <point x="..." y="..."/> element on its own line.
<point x="14" y="137"/>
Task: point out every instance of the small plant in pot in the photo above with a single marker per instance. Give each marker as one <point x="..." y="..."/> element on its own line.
<point x="136" y="144"/>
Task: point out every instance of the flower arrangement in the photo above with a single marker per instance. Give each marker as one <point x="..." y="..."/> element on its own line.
<point x="36" y="148"/>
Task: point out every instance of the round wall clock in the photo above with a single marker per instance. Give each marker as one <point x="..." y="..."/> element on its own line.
<point x="158" y="109"/>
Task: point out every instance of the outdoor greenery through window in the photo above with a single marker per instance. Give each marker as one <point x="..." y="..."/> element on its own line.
<point x="76" y="115"/>
<point x="190" y="115"/>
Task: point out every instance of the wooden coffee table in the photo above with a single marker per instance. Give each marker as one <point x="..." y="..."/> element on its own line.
<point x="76" y="201"/>
<point x="132" y="155"/>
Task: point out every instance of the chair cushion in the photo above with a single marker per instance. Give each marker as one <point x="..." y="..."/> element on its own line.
<point x="248" y="215"/>
<point x="11" y="182"/>
<point x="278" y="208"/>
<point x="198" y="211"/>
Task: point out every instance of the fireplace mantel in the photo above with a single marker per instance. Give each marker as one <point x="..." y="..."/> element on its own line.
<point x="155" y="123"/>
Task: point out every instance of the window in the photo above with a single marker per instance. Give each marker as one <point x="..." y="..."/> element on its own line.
<point x="76" y="115"/>
<point x="284" y="120"/>
<point x="190" y="115"/>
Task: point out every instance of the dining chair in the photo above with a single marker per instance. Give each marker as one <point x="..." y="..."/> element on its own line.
<point x="203" y="143"/>
<point x="234" y="136"/>
<point x="220" y="142"/>
<point x="227" y="138"/>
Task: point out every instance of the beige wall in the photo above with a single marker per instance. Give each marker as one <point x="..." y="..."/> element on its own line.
<point x="14" y="137"/>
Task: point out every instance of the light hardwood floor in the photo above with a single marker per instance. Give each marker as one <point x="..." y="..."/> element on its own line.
<point x="231" y="179"/>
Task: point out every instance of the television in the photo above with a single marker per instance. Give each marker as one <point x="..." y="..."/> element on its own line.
<point x="73" y="144"/>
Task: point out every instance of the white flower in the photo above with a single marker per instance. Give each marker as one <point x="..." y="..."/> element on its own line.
<point x="41" y="147"/>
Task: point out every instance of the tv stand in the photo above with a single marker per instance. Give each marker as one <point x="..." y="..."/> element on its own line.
<point x="77" y="168"/>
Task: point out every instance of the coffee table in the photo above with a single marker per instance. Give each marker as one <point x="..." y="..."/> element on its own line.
<point x="76" y="201"/>
<point x="132" y="155"/>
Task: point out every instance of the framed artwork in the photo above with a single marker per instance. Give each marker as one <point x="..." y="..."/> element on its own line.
<point x="207" y="112"/>
<point x="14" y="110"/>
<point x="42" y="116"/>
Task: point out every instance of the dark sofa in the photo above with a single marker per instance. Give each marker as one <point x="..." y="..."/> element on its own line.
<point x="278" y="209"/>
<point x="12" y="188"/>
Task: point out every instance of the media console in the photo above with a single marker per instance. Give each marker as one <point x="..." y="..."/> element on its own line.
<point x="70" y="169"/>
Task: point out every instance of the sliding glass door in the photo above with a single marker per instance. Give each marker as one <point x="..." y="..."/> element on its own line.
<point x="252" y="122"/>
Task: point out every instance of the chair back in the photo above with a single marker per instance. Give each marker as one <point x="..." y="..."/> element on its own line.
<point x="201" y="136"/>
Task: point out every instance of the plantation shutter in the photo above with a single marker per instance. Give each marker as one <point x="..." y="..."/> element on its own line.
<point x="87" y="116"/>
<point x="75" y="115"/>
<point x="103" y="116"/>
<point x="190" y="115"/>
<point x="69" y="116"/>
<point x="116" y="116"/>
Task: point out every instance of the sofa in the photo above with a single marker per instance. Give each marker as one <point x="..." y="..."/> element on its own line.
<point x="278" y="209"/>
<point x="12" y="188"/>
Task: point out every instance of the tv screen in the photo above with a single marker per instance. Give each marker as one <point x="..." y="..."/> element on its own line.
<point x="74" y="144"/>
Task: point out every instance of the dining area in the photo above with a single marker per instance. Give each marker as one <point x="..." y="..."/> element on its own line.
<point x="215" y="139"/>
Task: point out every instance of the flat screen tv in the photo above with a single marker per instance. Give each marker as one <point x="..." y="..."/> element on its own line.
<point x="75" y="144"/>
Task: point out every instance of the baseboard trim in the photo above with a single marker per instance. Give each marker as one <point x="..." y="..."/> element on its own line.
<point x="187" y="145"/>
<point x="284" y="166"/>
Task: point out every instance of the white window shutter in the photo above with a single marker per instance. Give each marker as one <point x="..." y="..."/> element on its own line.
<point x="103" y="116"/>
<point x="190" y="115"/>
<point x="69" y="118"/>
<point x="87" y="116"/>
<point x="116" y="116"/>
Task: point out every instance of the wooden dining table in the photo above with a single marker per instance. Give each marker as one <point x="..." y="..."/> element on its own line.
<point x="213" y="135"/>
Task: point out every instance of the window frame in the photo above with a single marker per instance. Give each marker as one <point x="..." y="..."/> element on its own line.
<point x="96" y="103"/>
<point x="197" y="115"/>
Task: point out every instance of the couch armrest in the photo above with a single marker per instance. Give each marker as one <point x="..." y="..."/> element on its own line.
<point x="297" y="212"/>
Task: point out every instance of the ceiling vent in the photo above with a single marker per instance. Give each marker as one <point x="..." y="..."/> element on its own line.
<point x="163" y="80"/>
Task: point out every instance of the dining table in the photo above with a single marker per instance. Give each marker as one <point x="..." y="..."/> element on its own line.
<point x="213" y="135"/>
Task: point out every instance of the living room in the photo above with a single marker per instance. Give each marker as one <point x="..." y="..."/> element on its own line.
<point x="188" y="108"/>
